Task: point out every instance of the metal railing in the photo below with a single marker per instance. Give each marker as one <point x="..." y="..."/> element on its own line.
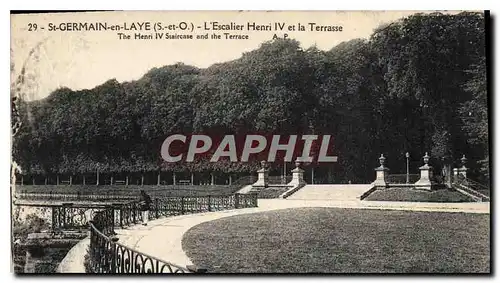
<point x="109" y="256"/>
<point x="72" y="217"/>
<point x="402" y="178"/>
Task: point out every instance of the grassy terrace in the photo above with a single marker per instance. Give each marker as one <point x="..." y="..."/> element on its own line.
<point x="130" y="190"/>
<point x="334" y="240"/>
<point x="407" y="194"/>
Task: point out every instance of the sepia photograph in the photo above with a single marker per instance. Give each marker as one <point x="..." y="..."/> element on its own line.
<point x="250" y="142"/>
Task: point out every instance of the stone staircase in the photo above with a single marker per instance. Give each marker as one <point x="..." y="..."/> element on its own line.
<point x="331" y="192"/>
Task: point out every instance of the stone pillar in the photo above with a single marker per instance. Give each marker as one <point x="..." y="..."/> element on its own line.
<point x="297" y="175"/>
<point x="462" y="170"/>
<point x="262" y="176"/>
<point x="29" y="262"/>
<point x="425" y="182"/>
<point x="381" y="173"/>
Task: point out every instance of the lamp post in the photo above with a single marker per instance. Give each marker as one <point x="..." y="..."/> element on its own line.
<point x="284" y="171"/>
<point x="407" y="167"/>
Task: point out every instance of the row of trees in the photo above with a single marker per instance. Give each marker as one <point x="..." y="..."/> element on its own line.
<point x="417" y="85"/>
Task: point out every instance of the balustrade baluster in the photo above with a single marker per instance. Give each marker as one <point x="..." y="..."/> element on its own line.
<point x="182" y="205"/>
<point x="113" y="254"/>
<point x="236" y="200"/>
<point x="54" y="218"/>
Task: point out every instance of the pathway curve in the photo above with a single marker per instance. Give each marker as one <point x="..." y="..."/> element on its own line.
<point x="162" y="238"/>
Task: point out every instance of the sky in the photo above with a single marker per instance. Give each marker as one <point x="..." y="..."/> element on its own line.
<point x="84" y="59"/>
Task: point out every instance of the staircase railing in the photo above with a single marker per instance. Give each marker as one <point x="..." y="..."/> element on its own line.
<point x="292" y="191"/>
<point x="245" y="180"/>
<point x="471" y="188"/>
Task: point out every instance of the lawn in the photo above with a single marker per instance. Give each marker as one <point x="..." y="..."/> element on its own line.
<point x="408" y="194"/>
<point x="335" y="240"/>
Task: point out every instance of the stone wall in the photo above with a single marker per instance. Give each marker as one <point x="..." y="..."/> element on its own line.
<point x="44" y="251"/>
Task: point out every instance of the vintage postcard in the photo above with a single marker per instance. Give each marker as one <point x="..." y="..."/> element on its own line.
<point x="289" y="142"/>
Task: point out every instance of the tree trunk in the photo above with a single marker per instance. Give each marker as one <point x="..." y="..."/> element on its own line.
<point x="212" y="177"/>
<point x="126" y="180"/>
<point x="312" y="175"/>
<point x="46" y="181"/>
<point x="97" y="183"/>
<point x="192" y="178"/>
<point x="173" y="177"/>
<point x="142" y="179"/>
<point x="448" y="173"/>
<point x="70" y="180"/>
<point x="111" y="179"/>
<point x="33" y="179"/>
<point x="57" y="179"/>
<point x="230" y="180"/>
<point x="84" y="180"/>
<point x="22" y="180"/>
<point x="159" y="178"/>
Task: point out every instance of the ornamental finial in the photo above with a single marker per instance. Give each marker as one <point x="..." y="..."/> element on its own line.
<point x="426" y="158"/>
<point x="464" y="160"/>
<point x="381" y="160"/>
